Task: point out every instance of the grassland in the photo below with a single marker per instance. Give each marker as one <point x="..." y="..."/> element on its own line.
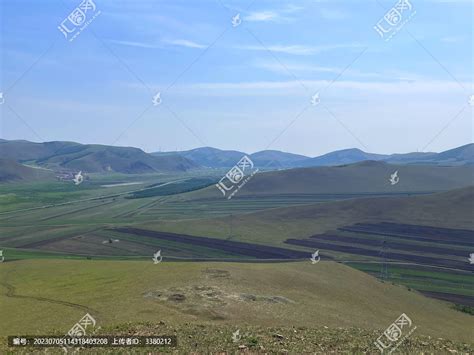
<point x="363" y="178"/>
<point x="213" y="298"/>
<point x="60" y="263"/>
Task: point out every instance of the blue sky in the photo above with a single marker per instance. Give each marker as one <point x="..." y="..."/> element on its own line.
<point x="246" y="87"/>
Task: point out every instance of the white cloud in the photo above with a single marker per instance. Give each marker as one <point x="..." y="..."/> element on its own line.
<point x="174" y="42"/>
<point x="297" y="49"/>
<point x="275" y="15"/>
<point x="134" y="44"/>
<point x="262" y="16"/>
<point x="184" y="43"/>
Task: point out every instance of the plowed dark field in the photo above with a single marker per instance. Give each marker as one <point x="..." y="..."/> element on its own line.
<point x="391" y="244"/>
<point x="315" y="244"/>
<point x="247" y="249"/>
<point x="423" y="233"/>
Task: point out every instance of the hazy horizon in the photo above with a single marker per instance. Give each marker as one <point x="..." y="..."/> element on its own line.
<point x="247" y="152"/>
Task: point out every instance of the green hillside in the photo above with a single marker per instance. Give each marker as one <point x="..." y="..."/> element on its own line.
<point x="56" y="293"/>
<point x="92" y="158"/>
<point x="361" y="178"/>
<point x="11" y="171"/>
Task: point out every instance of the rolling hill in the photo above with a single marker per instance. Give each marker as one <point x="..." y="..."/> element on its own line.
<point x="208" y="156"/>
<point x="235" y="295"/>
<point x="216" y="158"/>
<point x="92" y="158"/>
<point x="450" y="209"/>
<point x="95" y="158"/>
<point x="458" y="156"/>
<point x="360" y="178"/>
<point x="12" y="171"/>
<point x="275" y="158"/>
<point x="346" y="156"/>
<point x="21" y="150"/>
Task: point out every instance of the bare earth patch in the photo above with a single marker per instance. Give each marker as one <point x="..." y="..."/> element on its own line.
<point x="210" y="300"/>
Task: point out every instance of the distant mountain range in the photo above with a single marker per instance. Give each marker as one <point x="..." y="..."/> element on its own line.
<point x="216" y="158"/>
<point x="95" y="158"/>
<point x="91" y="158"/>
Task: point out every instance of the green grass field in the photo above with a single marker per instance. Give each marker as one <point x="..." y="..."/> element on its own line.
<point x="54" y="294"/>
<point x="59" y="264"/>
<point x="422" y="278"/>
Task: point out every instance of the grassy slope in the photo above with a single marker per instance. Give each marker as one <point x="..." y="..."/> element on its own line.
<point x="92" y="157"/>
<point x="366" y="177"/>
<point x="453" y="209"/>
<point x="325" y="294"/>
<point x="11" y="171"/>
<point x="425" y="280"/>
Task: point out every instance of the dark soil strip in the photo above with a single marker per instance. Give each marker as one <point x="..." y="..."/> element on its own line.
<point x="421" y="234"/>
<point x="247" y="249"/>
<point x="315" y="244"/>
<point x="392" y="245"/>
<point x="464" y="234"/>
<point x="450" y="297"/>
<point x="418" y="239"/>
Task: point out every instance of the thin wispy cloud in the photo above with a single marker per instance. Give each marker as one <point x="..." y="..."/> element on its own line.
<point x="305" y="68"/>
<point x="262" y="16"/>
<point x="315" y="41"/>
<point x="184" y="43"/>
<point x="274" y="15"/>
<point x="135" y="44"/>
<point x="172" y="42"/>
<point x="293" y="87"/>
<point x="297" y="49"/>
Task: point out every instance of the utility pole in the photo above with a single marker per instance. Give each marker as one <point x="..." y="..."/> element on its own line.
<point x="231" y="226"/>
<point x="384" y="267"/>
